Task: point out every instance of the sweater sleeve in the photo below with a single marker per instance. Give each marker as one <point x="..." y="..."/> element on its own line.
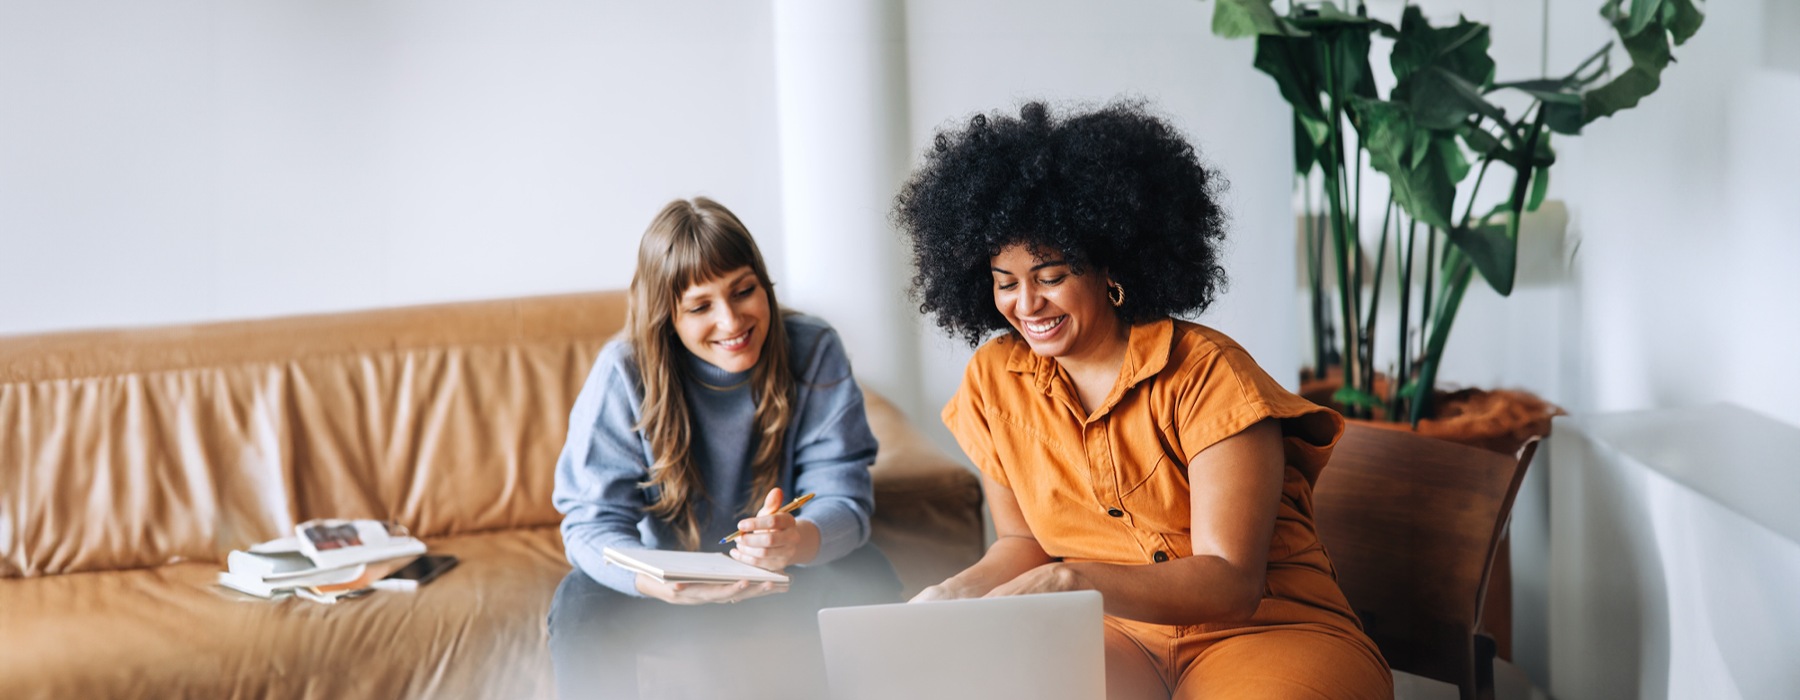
<point x="598" y="473"/>
<point x="832" y="452"/>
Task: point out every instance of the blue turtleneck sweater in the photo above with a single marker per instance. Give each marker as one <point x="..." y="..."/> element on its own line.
<point x="827" y="452"/>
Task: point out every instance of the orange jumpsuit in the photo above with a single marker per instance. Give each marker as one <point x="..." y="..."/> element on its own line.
<point x="1113" y="487"/>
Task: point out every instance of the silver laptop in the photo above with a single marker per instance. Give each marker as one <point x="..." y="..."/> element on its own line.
<point x="1045" y="647"/>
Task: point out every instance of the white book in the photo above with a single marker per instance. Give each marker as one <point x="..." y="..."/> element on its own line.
<point x="257" y="585"/>
<point x="278" y="560"/>
<point x="692" y="567"/>
<point x="253" y="585"/>
<point x="252" y="563"/>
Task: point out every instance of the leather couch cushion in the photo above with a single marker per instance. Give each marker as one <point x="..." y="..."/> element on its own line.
<point x="478" y="632"/>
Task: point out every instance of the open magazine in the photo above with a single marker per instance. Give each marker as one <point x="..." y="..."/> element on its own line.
<point x="336" y="543"/>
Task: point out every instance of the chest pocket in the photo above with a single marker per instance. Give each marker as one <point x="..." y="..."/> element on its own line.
<point x="1153" y="481"/>
<point x="1029" y="450"/>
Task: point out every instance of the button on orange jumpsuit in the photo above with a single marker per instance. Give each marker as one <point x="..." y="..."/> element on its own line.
<point x="1113" y="487"/>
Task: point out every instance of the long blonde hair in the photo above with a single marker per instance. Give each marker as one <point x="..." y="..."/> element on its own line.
<point x="689" y="242"/>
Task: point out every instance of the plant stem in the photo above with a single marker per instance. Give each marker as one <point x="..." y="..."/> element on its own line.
<point x="1321" y="305"/>
<point x="1366" y="339"/>
<point x="1309" y="235"/>
<point x="1456" y="281"/>
<point x="1387" y="219"/>
<point x="1404" y="372"/>
<point x="1344" y="238"/>
<point x="1431" y="267"/>
<point x="1479" y="176"/>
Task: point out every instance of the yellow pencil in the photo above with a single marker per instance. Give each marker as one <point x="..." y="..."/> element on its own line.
<point x="789" y="508"/>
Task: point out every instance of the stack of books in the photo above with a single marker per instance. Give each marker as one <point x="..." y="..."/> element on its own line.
<point x="329" y="560"/>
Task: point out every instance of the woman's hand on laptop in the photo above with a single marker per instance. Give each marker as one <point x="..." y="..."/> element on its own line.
<point x="1048" y="578"/>
<point x="1054" y="577"/>
<point x="704" y="593"/>
<point x="967" y="584"/>
<point x="942" y="591"/>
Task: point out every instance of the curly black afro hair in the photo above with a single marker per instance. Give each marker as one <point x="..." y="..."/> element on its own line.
<point x="1115" y="189"/>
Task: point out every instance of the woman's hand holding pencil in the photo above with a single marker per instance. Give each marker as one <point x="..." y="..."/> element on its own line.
<point x="775" y="539"/>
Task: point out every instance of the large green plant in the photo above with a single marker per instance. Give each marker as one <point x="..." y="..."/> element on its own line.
<point x="1435" y="127"/>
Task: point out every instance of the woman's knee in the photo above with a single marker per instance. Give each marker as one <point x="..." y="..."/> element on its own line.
<point x="580" y="604"/>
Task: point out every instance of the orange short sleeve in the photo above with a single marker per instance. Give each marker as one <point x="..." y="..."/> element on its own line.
<point x="1223" y="391"/>
<point x="966" y="417"/>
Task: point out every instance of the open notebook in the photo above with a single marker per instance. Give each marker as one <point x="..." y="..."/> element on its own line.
<point x="694" y="567"/>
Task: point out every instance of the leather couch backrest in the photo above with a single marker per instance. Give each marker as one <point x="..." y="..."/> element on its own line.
<point x="134" y="448"/>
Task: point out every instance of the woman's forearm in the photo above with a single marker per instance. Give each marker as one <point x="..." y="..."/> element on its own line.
<point x="1005" y="560"/>
<point x="1188" y="591"/>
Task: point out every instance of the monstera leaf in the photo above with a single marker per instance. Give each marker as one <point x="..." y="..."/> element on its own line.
<point x="1442" y="100"/>
<point x="1562" y="99"/>
<point x="1331" y="56"/>
<point x="1293" y="63"/>
<point x="1422" y="165"/>
<point x="1238" y="19"/>
<point x="1442" y="72"/>
<point x="1493" y="248"/>
<point x="1645" y="28"/>
<point x="1461" y="48"/>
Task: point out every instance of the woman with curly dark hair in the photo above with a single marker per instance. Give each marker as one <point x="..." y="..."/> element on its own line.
<point x="1123" y="450"/>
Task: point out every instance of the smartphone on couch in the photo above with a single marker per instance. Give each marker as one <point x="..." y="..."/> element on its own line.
<point x="418" y="572"/>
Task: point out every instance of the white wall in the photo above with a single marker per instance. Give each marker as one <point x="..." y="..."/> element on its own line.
<point x="198" y="160"/>
<point x="193" y="160"/>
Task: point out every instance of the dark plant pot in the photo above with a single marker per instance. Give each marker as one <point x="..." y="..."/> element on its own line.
<point x="1501" y="420"/>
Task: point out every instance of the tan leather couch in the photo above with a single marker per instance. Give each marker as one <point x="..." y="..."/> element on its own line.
<point x="132" y="461"/>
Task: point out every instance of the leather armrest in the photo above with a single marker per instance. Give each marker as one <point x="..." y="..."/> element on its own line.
<point x="927" y="505"/>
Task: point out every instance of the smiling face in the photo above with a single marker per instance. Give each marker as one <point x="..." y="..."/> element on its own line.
<point x="725" y="320"/>
<point x="1060" y="314"/>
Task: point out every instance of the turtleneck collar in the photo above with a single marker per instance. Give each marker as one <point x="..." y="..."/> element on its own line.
<point x="710" y="376"/>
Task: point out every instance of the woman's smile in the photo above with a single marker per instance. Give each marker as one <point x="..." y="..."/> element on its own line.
<point x="1045" y="329"/>
<point x="736" y="343"/>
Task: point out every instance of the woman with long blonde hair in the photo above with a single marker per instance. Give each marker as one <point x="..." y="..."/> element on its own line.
<point x="712" y="409"/>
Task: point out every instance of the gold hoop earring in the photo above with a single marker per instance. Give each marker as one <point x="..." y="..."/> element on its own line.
<point x="1115" y="293"/>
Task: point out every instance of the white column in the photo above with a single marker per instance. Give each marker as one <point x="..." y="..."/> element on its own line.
<point x="840" y="73"/>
